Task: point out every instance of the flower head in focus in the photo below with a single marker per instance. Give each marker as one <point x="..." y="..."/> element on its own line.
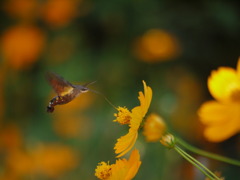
<point x="154" y="127"/>
<point x="133" y="119"/>
<point x="122" y="170"/>
<point x="221" y="116"/>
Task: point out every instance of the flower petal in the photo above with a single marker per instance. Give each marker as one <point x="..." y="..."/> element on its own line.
<point x="222" y="121"/>
<point x="219" y="133"/>
<point x="136" y="118"/>
<point x="125" y="143"/>
<point x="134" y="164"/>
<point x="126" y="169"/>
<point x="212" y="112"/>
<point x="222" y="83"/>
<point x="145" y="99"/>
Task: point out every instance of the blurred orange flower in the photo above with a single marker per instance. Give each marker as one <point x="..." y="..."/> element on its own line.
<point x="154" y="127"/>
<point x="125" y="143"/>
<point x="53" y="160"/>
<point x="20" y="163"/>
<point x="24" y="9"/>
<point x="221" y="116"/>
<point x="22" y="45"/>
<point x="122" y="170"/>
<point x="73" y="126"/>
<point x="49" y="160"/>
<point x="58" y="13"/>
<point x="156" y="45"/>
<point x="10" y="137"/>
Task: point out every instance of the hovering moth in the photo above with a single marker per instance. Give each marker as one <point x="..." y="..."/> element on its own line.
<point x="66" y="91"/>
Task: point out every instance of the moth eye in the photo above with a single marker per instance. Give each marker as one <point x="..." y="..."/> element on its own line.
<point x="84" y="89"/>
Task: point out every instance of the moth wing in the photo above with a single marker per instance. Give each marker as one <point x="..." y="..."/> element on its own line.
<point x="59" y="84"/>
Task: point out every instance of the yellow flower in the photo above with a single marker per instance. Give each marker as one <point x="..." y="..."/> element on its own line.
<point x="125" y="143"/>
<point x="222" y="116"/>
<point x="154" y="128"/>
<point x="122" y="170"/>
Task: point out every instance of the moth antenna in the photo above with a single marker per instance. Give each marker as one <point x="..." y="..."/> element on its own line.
<point x="109" y="102"/>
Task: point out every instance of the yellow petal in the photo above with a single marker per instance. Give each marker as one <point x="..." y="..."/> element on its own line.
<point x="219" y="133"/>
<point x="145" y="99"/>
<point x="222" y="121"/>
<point x="125" y="143"/>
<point x="136" y="118"/>
<point x="134" y="164"/>
<point x="223" y="83"/>
<point x="212" y="112"/>
<point x="126" y="169"/>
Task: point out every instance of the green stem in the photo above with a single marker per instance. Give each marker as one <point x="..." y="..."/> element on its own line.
<point x="208" y="154"/>
<point x="192" y="162"/>
<point x="199" y="164"/>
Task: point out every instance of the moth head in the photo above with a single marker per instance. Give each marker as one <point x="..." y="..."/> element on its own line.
<point x="84" y="89"/>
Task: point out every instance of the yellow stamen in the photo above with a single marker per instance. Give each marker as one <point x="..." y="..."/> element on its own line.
<point x="123" y="116"/>
<point x="103" y="171"/>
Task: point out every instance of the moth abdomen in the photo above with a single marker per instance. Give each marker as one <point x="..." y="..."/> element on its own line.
<point x="58" y="100"/>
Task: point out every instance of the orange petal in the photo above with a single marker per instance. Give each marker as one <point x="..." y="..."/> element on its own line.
<point x="222" y="121"/>
<point x="136" y="118"/>
<point x="219" y="133"/>
<point x="222" y="83"/>
<point x="126" y="169"/>
<point x="213" y="112"/>
<point x="134" y="164"/>
<point x="125" y="143"/>
<point x="145" y="99"/>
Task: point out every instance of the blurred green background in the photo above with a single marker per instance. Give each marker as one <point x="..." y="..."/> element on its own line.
<point x="172" y="45"/>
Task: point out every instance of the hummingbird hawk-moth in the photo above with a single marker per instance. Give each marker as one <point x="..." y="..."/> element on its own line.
<point x="66" y="91"/>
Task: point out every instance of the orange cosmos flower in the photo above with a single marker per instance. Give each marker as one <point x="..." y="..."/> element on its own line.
<point x="221" y="116"/>
<point x="122" y="170"/>
<point x="59" y="13"/>
<point x="134" y="118"/>
<point x="156" y="45"/>
<point x="154" y="128"/>
<point x="54" y="160"/>
<point x="22" y="45"/>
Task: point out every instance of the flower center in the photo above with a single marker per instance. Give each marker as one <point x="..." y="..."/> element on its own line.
<point x="123" y="116"/>
<point x="103" y="171"/>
